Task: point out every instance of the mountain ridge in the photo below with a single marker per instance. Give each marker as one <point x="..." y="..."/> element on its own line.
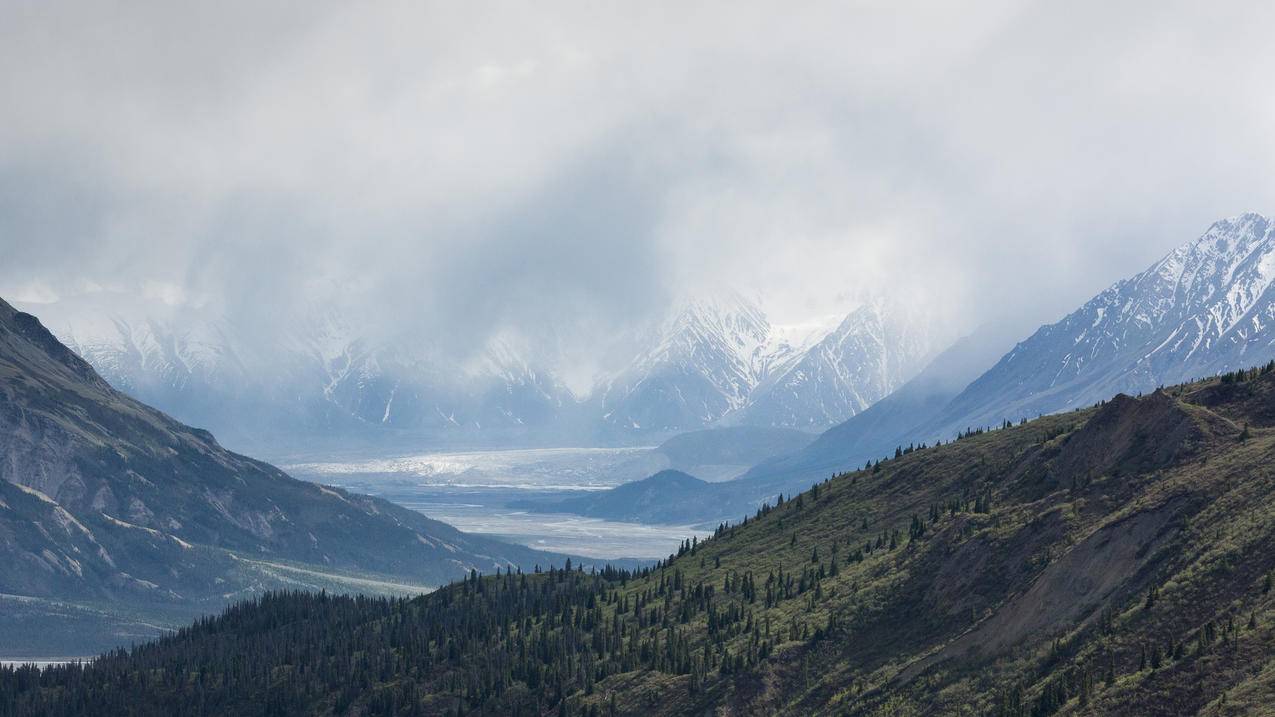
<point x="1223" y="279"/>
<point x="105" y="499"/>
<point x="1216" y="292"/>
<point x="717" y="360"/>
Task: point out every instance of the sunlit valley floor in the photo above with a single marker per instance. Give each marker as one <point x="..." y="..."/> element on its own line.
<point x="479" y="492"/>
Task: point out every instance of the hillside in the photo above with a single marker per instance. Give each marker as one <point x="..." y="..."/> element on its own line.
<point x="105" y="503"/>
<point x="1112" y="560"/>
<point x="672" y="494"/>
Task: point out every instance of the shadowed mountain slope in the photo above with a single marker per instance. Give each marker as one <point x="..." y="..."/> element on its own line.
<point x="103" y="499"/>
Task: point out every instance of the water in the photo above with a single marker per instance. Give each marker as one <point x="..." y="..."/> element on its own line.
<point x="487" y="492"/>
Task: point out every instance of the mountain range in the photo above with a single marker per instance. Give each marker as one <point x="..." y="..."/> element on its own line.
<point x="716" y="361"/>
<point x="116" y="513"/>
<point x="722" y="361"/>
<point x="318" y="376"/>
<point x="1207" y="307"/>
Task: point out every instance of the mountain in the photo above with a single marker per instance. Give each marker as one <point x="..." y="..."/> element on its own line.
<point x="721" y="362"/>
<point x="1207" y="307"/>
<point x="1113" y="560"/>
<point x="106" y="502"/>
<point x="889" y="423"/>
<point x="322" y="377"/>
<point x="871" y="434"/>
<point x="631" y="501"/>
<point x="329" y="380"/>
<point x="702" y="364"/>
<point x="871" y="353"/>
<point x="716" y="454"/>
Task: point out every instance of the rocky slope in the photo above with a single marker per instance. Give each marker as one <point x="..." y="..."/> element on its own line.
<point x="1207" y="307"/>
<point x="105" y="499"/>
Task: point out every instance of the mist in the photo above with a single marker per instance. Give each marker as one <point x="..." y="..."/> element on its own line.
<point x="563" y="174"/>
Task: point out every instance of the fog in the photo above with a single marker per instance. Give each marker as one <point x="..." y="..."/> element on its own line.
<point x="564" y="172"/>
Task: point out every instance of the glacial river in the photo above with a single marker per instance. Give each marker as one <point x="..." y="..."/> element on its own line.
<point x="474" y="490"/>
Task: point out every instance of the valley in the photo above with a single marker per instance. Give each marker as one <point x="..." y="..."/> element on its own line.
<point x="712" y="359"/>
<point x="477" y="492"/>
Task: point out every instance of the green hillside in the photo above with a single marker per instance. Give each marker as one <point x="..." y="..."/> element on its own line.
<point x="1107" y="561"/>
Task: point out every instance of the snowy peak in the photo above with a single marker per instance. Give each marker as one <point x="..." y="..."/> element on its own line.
<point x="323" y="374"/>
<point x="1208" y="306"/>
<point x="723" y="333"/>
<point x="875" y="349"/>
<point x="722" y="361"/>
<point x="703" y="363"/>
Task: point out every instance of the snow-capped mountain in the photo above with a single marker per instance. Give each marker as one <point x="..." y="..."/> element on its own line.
<point x="1207" y="307"/>
<point x="703" y="363"/>
<point x="874" y="350"/>
<point x="717" y="360"/>
<point x="721" y="360"/>
<point x="320" y="376"/>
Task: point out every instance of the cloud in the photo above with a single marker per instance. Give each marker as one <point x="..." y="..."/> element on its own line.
<point x="564" y="172"/>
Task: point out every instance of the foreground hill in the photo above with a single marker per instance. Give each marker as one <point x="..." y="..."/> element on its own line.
<point x="106" y="503"/>
<point x="1115" y="560"/>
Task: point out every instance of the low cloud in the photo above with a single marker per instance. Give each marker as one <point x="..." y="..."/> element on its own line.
<point x="564" y="173"/>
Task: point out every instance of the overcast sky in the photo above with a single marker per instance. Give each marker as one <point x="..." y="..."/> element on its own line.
<point x="471" y="167"/>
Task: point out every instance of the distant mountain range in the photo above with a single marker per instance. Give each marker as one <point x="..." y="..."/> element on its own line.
<point x="717" y="361"/>
<point x="1207" y="307"/>
<point x="722" y="361"/>
<point x="110" y="506"/>
<point x="316" y="377"/>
